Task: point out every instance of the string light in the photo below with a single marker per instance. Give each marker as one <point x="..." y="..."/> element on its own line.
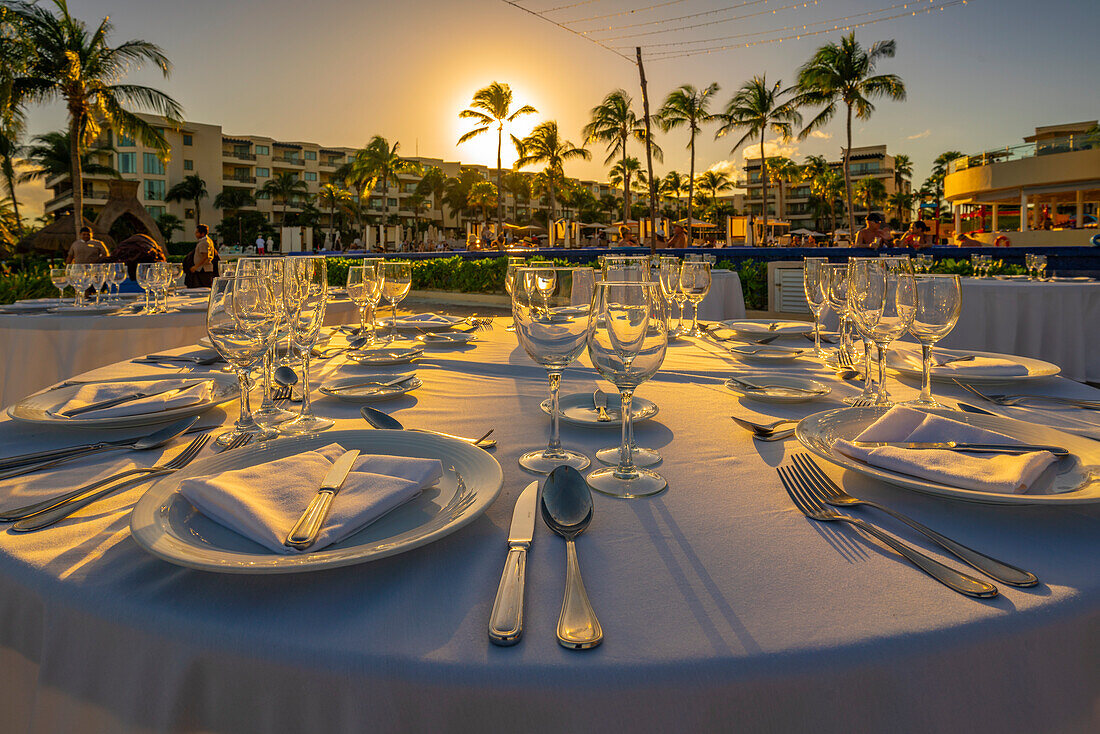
<point x="621" y="13"/>
<point x="794" y="6"/>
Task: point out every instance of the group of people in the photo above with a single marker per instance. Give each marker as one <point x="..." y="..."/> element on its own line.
<point x="200" y="266"/>
<point x="876" y="233"/>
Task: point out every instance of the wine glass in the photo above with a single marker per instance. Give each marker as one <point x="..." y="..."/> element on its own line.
<point x="80" y="277"/>
<point x="627" y="339"/>
<point x="1029" y="262"/>
<point x="241" y="321"/>
<point x="936" y="302"/>
<point x="625" y="267"/>
<point x="159" y="277"/>
<point x="116" y="275"/>
<point x="814" y="286"/>
<point x="1040" y="267"/>
<point x="510" y="279"/>
<point x="396" y="283"/>
<point x="668" y="275"/>
<point x="837" y="294"/>
<point x="858" y="267"/>
<point x="60" y="280"/>
<point x="305" y="293"/>
<point x="144" y="274"/>
<point x="364" y="286"/>
<point x="270" y="270"/>
<point x="99" y="279"/>
<point x="884" y="303"/>
<point x="551" y="326"/>
<point x="695" y="284"/>
<point x="175" y="276"/>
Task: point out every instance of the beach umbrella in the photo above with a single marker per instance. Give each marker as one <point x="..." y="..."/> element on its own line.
<point x="696" y="224"/>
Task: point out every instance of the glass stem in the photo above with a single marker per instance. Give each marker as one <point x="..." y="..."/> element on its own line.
<point x="680" y="315"/>
<point x="817" y="333"/>
<point x="883" y="396"/>
<point x="694" y="317"/>
<point x="867" y="383"/>
<point x="245" y="420"/>
<point x="307" y="407"/>
<point x="554" y="446"/>
<point x="626" y="468"/>
<point x="373" y="334"/>
<point x="362" y="318"/>
<point x="393" y="324"/>
<point x="926" y="372"/>
<point x="269" y="362"/>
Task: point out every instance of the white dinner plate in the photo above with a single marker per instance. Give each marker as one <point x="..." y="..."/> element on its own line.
<point x="35" y="408"/>
<point x="779" y="388"/>
<point x="766" y="327"/>
<point x="381" y="357"/>
<point x="370" y="393"/>
<point x="820" y="431"/>
<point x="1070" y="279"/>
<point x="1010" y="277"/>
<point x="905" y="358"/>
<point x="169" y="527"/>
<point x="768" y="353"/>
<point x="579" y="410"/>
<point x="26" y="307"/>
<point x="456" y="339"/>
<point x="89" y="310"/>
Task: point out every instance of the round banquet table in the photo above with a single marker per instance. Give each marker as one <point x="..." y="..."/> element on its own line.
<point x="725" y="299"/>
<point x="723" y="608"/>
<point x="41" y="349"/>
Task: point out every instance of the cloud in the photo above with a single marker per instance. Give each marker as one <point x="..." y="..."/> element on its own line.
<point x="924" y="134"/>
<point x="821" y="135"/>
<point x="728" y="167"/>
<point x="772" y="148"/>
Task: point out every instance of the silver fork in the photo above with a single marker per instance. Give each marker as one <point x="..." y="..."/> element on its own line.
<point x="862" y="402"/>
<point x="827" y="490"/>
<point x="59" y="508"/>
<point x="1009" y="400"/>
<point x="946" y="575"/>
<point x="282" y="393"/>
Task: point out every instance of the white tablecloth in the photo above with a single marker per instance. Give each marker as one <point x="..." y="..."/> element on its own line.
<point x="37" y="350"/>
<point x="723" y="608"/>
<point x="725" y="299"/>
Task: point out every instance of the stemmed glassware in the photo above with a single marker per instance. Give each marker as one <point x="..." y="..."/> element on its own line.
<point x="396" y="283"/>
<point x="99" y="279"/>
<point x="510" y="280"/>
<point x="668" y="275"/>
<point x="305" y="295"/>
<point x="857" y="265"/>
<point x="1029" y="261"/>
<point x="270" y="270"/>
<point x="836" y="283"/>
<point x="627" y="340"/>
<point x="80" y="277"/>
<point x="241" y="321"/>
<point x="625" y="267"/>
<point x="116" y="275"/>
<point x="936" y="304"/>
<point x="364" y="286"/>
<point x="883" y="305"/>
<point x="60" y="280"/>
<point x="814" y="285"/>
<point x="1040" y="267"/>
<point x="695" y="284"/>
<point x="145" y="275"/>
<point x="551" y="326"/>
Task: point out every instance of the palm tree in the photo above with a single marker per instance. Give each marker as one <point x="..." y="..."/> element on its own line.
<point x="844" y="72"/>
<point x="191" y="188"/>
<point x="902" y="204"/>
<point x="9" y="147"/>
<point x="713" y="182"/>
<point x="386" y="165"/>
<point x="483" y="196"/>
<point x="934" y="184"/>
<point x="687" y="106"/>
<point x="626" y="173"/>
<point x="869" y="193"/>
<point x="434" y="184"/>
<point x="14" y="54"/>
<point x="673" y="184"/>
<point x="49" y="156"/>
<point x="615" y="124"/>
<point x="786" y="172"/>
<point x="169" y="224"/>
<point x="234" y="200"/>
<point x="416" y="202"/>
<point x="755" y="109"/>
<point x="284" y="187"/>
<point x="334" y="198"/>
<point x="358" y="174"/>
<point x="78" y="66"/>
<point x="828" y="187"/>
<point x="903" y="169"/>
<point x="492" y="105"/>
<point x="519" y="186"/>
<point x="545" y="145"/>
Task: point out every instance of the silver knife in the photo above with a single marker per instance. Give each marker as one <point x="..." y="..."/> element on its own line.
<point x="376" y="383"/>
<point x="978" y="448"/>
<point x="599" y="399"/>
<point x="112" y="402"/>
<point x="304" y="533"/>
<point x="506" y="619"/>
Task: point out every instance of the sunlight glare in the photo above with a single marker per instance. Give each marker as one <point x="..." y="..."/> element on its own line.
<point x="483" y="148"/>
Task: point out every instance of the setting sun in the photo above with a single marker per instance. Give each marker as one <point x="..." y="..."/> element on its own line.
<point x="482" y="149"/>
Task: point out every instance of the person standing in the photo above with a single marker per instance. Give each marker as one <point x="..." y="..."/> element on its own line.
<point x="260" y="245"/>
<point x="270" y="246"/>
<point x="87" y="249"/>
<point x="204" y="259"/>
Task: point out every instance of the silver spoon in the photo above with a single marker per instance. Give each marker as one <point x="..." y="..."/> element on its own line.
<point x="567" y="510"/>
<point x="285" y="376"/>
<point x="762" y="429"/>
<point x="385" y="421"/>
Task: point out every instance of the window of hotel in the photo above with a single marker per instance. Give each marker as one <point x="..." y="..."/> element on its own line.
<point x="155" y="211"/>
<point x="262" y="172"/>
<point x="311" y="155"/>
<point x="311" y="176"/>
<point x="391" y="202"/>
<point x="262" y="195"/>
<point x="263" y="150"/>
<point x="127" y="162"/>
<point x="154" y="190"/>
<point x="188" y="165"/>
<point x="125" y="141"/>
<point x="187" y="139"/>
<point x="151" y="164"/>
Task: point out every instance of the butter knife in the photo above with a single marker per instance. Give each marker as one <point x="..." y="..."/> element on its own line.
<point x="599" y="399"/>
<point x="304" y="533"/>
<point x="506" y="619"/>
<point x="978" y="448"/>
<point x="112" y="402"/>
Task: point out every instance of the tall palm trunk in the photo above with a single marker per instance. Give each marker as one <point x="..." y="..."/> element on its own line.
<point x="848" y="179"/>
<point x="359" y="212"/>
<point x="500" y="185"/>
<point x="198" y="211"/>
<point x="76" y="176"/>
<point x="764" y="189"/>
<point x="9" y="180"/>
<point x="626" y="183"/>
<point x="691" y="184"/>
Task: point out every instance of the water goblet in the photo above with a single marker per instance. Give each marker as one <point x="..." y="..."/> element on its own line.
<point x="116" y="275"/>
<point x="936" y="302"/>
<point x="627" y="339"/>
<point x="858" y="266"/>
<point x="813" y="284"/>
<point x="883" y="305"/>
<point x="99" y="279"/>
<point x="396" y="283"/>
<point x="60" y="280"/>
<point x="241" y="321"/>
<point x="1040" y="267"/>
<point x="305" y="293"/>
<point x="145" y="274"/>
<point x="551" y="326"/>
<point x="695" y="283"/>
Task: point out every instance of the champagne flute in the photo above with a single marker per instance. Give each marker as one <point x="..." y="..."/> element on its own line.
<point x="668" y="275"/>
<point x="396" y="283"/>
<point x="936" y="301"/>
<point x="814" y="287"/>
<point x="695" y="284"/>
<point x="305" y="293"/>
<point x="364" y="287"/>
<point x="241" y="321"/>
<point x="551" y="326"/>
<point x="627" y="339"/>
<point x="60" y="280"/>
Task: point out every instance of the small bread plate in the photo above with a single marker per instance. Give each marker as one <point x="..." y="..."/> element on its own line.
<point x="382" y="357"/>
<point x="578" y="409"/>
<point x="1070" y="279"/>
<point x="767" y="353"/>
<point x="757" y="328"/>
<point x="768" y="388"/>
<point x="370" y="388"/>
<point x="89" y="310"/>
<point x="446" y="339"/>
<point x="990" y="369"/>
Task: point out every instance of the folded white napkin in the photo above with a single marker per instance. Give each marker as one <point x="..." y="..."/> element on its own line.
<point x="979" y="366"/>
<point x="997" y="473"/>
<point x="181" y="393"/>
<point x="263" y="502"/>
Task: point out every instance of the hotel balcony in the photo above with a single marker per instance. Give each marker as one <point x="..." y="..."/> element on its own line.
<point x="279" y="159"/>
<point x="238" y="156"/>
<point x="236" y="180"/>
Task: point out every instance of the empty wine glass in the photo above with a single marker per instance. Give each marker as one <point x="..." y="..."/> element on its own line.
<point x="99" y="279"/>
<point x="837" y="294"/>
<point x="627" y="339"/>
<point x="1041" y="267"/>
<point x="695" y="284"/>
<point x="80" y="277"/>
<point x="668" y="275"/>
<point x="270" y="270"/>
<point x="145" y="275"/>
<point x="1029" y="262"/>
<point x="813" y="284"/>
<point x="936" y="302"/>
<point x="625" y="267"/>
<point x="305" y="293"/>
<point x="891" y="298"/>
<point x="862" y="268"/>
<point x="116" y="275"/>
<point x="551" y="326"/>
<point x="241" y="321"/>
<point x="364" y="286"/>
<point x="396" y="283"/>
<point x="60" y="280"/>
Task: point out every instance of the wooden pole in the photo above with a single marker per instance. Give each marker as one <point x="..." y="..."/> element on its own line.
<point x="648" y="158"/>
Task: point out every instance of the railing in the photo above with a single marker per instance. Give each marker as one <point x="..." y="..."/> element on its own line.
<point x="285" y="159"/>
<point x="1067" y="144"/>
<point x="333" y="163"/>
<point x="238" y="155"/>
<point x="240" y="179"/>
